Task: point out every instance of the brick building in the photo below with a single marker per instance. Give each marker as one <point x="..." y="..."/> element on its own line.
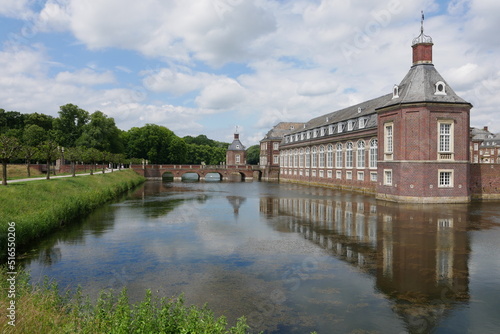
<point x="484" y="146"/>
<point x="236" y="153"/>
<point x="411" y="145"/>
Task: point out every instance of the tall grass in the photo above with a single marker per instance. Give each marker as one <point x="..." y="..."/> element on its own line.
<point x="42" y="309"/>
<point x="20" y="171"/>
<point x="38" y="207"/>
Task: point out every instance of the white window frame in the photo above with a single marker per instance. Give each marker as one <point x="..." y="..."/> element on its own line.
<point x="361" y="176"/>
<point x="388" y="140"/>
<point x="360" y="161"/>
<point x="339" y="163"/>
<point x="445" y="140"/>
<point x="388" y="177"/>
<point x="349" y="156"/>
<point x="373" y="153"/>
<point x="449" y="179"/>
<point x="348" y="175"/>
<point x="338" y="174"/>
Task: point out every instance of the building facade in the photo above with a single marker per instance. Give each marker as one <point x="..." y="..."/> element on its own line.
<point x="411" y="145"/>
<point x="236" y="153"/>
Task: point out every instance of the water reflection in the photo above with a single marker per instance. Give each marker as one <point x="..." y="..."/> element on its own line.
<point x="293" y="259"/>
<point x="418" y="254"/>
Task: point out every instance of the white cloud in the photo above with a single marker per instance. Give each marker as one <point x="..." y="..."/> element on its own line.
<point x="176" y="82"/>
<point x="16" y="8"/>
<point x="86" y="77"/>
<point x="221" y="94"/>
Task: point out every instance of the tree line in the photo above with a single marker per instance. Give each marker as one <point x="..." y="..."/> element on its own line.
<point x="78" y="136"/>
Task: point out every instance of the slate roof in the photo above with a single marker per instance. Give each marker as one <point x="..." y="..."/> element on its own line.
<point x="281" y="129"/>
<point x="419" y="85"/>
<point x="488" y="139"/>
<point x="365" y="109"/>
<point x="234" y="146"/>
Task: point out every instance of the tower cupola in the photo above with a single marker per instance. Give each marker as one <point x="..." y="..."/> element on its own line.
<point x="422" y="47"/>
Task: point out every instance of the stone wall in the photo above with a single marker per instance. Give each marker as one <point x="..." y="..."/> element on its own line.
<point x="485" y="181"/>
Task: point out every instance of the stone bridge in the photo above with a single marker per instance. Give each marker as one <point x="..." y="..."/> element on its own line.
<point x="226" y="172"/>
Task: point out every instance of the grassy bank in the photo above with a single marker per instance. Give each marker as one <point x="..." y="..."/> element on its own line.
<point x="41" y="309"/>
<point x="38" y="207"/>
<point x="20" y="171"/>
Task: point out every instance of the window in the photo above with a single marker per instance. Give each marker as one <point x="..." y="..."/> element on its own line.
<point x="295" y="158"/>
<point x="389" y="140"/>
<point x="339" y="162"/>
<point x="395" y="92"/>
<point x="373" y="153"/>
<point x="340" y="127"/>
<point x="321" y="156"/>
<point x="373" y="176"/>
<point x="348" y="155"/>
<point x="329" y="159"/>
<point x="237" y="158"/>
<point x="361" y="154"/>
<point x="440" y="88"/>
<point x="361" y="176"/>
<point x="276" y="146"/>
<point x="330" y="129"/>
<point x="388" y="177"/>
<point x="321" y="173"/>
<point x="329" y="173"/>
<point x="350" y="125"/>
<point x="348" y="175"/>
<point x="445" y="178"/>
<point x="362" y="123"/>
<point x="314" y="157"/>
<point x="275" y="159"/>
<point x="338" y="174"/>
<point x="308" y="158"/>
<point x="301" y="158"/>
<point x="445" y="144"/>
<point x="237" y="146"/>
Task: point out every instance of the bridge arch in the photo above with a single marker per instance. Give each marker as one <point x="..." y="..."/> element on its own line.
<point x="168" y="176"/>
<point x="213" y="176"/>
<point x="190" y="177"/>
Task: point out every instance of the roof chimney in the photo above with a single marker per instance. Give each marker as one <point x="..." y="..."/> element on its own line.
<point x="485" y="128"/>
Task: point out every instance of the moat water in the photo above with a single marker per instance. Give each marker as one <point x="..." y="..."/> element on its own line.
<point x="291" y="258"/>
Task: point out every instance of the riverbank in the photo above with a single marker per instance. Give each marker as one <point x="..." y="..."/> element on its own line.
<point x="42" y="309"/>
<point x="38" y="207"/>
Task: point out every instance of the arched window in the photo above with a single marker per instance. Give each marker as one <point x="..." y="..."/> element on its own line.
<point x="329" y="159"/>
<point x="295" y="158"/>
<point x="314" y="157"/>
<point x="373" y="153"/>
<point x="361" y="154"/>
<point x="301" y="158"/>
<point x="308" y="157"/>
<point x="321" y="156"/>
<point x="348" y="155"/>
<point x="339" y="163"/>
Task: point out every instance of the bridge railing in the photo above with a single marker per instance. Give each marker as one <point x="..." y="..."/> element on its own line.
<point x="158" y="166"/>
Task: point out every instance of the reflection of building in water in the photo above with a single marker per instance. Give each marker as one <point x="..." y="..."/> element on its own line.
<point x="236" y="202"/>
<point x="417" y="254"/>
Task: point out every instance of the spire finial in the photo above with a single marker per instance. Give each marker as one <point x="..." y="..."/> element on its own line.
<point x="422" y="23"/>
<point x="236" y="130"/>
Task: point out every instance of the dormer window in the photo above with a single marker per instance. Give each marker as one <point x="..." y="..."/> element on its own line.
<point x="440" y="88"/>
<point x="237" y="146"/>
<point x="395" y="92"/>
<point x="362" y="123"/>
<point x="350" y="125"/>
<point x="340" y="127"/>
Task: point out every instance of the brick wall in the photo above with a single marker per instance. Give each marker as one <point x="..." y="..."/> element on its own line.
<point x="485" y="181"/>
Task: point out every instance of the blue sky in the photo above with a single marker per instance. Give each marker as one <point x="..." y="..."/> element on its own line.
<point x="206" y="66"/>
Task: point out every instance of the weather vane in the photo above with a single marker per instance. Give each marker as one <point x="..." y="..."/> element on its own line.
<point x="422" y="23"/>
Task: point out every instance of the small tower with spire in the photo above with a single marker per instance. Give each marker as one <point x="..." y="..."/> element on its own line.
<point x="422" y="46"/>
<point x="236" y="153"/>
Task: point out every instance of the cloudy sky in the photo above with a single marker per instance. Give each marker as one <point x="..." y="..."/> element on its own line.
<point x="206" y="66"/>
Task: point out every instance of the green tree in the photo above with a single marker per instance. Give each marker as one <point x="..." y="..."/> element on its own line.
<point x="9" y="147"/>
<point x="253" y="155"/>
<point x="48" y="150"/>
<point x="92" y="155"/>
<point x="177" y="151"/>
<point x="74" y="154"/>
<point x="69" y="125"/>
<point x="151" y="142"/>
<point x="44" y="121"/>
<point x="101" y="133"/>
<point x="11" y="120"/>
<point x="28" y="153"/>
<point x="34" y="134"/>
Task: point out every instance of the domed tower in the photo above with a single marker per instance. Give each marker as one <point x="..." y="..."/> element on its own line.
<point x="236" y="153"/>
<point x="423" y="136"/>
